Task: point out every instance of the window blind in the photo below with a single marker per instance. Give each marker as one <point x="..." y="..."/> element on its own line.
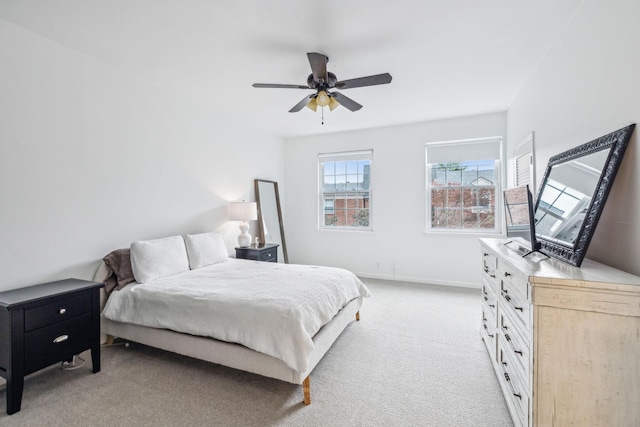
<point x="523" y="169"/>
<point x="346" y="156"/>
<point x="465" y="150"/>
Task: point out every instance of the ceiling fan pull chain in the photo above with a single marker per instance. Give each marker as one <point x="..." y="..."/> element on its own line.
<point x="322" y="115"/>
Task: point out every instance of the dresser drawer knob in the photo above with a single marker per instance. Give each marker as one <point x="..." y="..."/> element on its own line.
<point x="62" y="311"/>
<point x="507" y="274"/>
<point x="61" y="338"/>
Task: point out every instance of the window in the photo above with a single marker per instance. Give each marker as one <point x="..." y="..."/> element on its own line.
<point x="345" y="190"/>
<point x="463" y="185"/>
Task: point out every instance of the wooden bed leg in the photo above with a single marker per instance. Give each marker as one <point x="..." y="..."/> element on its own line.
<point x="307" y="391"/>
<point x="358" y="315"/>
<point x="109" y="339"/>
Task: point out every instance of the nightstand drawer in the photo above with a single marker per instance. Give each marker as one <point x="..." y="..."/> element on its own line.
<point x="57" y="311"/>
<point x="269" y="255"/>
<point x="61" y="340"/>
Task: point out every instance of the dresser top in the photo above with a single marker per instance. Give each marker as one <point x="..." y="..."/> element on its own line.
<point x="542" y="270"/>
<point x="17" y="297"/>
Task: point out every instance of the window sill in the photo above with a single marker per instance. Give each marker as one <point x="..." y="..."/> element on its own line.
<point x="349" y="229"/>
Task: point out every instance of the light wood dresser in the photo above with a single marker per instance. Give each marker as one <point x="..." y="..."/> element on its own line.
<point x="564" y="341"/>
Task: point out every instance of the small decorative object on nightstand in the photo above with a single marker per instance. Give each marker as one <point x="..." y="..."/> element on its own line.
<point x="268" y="252"/>
<point x="44" y="324"/>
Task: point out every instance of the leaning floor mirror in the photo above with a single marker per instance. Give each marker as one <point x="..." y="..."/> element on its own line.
<point x="574" y="190"/>
<point x="270" y="228"/>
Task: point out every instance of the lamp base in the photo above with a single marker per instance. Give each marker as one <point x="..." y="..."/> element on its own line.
<point x="244" y="238"/>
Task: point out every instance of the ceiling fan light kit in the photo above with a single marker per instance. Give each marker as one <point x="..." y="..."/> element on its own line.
<point x="321" y="80"/>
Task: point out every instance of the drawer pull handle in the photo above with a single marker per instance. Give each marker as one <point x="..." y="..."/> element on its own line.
<point x="508" y="338"/>
<point x="487" y="329"/>
<point x="513" y="390"/>
<point x="507" y="274"/>
<point x="61" y="338"/>
<point x="485" y="254"/>
<point x="506" y="296"/>
<point x="62" y="311"/>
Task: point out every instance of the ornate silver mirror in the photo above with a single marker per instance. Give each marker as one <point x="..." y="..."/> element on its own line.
<point x="270" y="216"/>
<point x="574" y="189"/>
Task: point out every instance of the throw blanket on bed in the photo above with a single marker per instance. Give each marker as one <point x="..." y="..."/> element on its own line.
<point x="269" y="307"/>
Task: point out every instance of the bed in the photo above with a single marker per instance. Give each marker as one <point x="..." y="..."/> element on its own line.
<point x="185" y="295"/>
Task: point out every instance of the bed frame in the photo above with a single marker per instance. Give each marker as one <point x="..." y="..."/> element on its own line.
<point x="230" y="354"/>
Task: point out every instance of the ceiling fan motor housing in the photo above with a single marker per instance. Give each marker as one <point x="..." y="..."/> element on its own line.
<point x="322" y="85"/>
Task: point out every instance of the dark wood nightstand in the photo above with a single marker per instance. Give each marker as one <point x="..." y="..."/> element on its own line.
<point x="268" y="253"/>
<point x="45" y="324"/>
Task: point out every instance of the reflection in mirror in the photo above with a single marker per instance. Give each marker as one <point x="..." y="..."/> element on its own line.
<point x="573" y="192"/>
<point x="567" y="195"/>
<point x="270" y="216"/>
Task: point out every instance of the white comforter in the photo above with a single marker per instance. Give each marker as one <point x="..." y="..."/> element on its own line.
<point x="272" y="308"/>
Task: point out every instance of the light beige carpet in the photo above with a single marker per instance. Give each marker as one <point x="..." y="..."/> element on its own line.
<point x="414" y="359"/>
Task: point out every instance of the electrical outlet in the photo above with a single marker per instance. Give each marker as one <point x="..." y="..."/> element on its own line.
<point x="377" y="264"/>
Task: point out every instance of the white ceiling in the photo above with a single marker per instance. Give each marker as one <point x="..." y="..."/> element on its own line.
<point x="447" y="58"/>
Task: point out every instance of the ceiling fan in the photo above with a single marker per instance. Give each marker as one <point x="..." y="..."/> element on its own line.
<point x="321" y="80"/>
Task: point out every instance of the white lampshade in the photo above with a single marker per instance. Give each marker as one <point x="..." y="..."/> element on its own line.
<point x="243" y="211"/>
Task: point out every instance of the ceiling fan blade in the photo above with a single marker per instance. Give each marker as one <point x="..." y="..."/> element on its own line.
<point x="378" y="79"/>
<point x="346" y="102"/>
<point x="318" y="64"/>
<point x="279" y="86"/>
<point x="300" y="105"/>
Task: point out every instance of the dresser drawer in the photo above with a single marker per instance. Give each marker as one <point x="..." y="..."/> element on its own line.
<point x="514" y="300"/>
<point x="488" y="331"/>
<point x="514" y="279"/>
<point x="516" y="346"/>
<point x="489" y="260"/>
<point x="490" y="299"/>
<point x="63" y="309"/>
<point x="515" y="391"/>
<point x="489" y="266"/>
<point x="56" y="342"/>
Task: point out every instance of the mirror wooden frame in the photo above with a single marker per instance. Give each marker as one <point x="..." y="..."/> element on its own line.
<point x="617" y="143"/>
<point x="260" y="219"/>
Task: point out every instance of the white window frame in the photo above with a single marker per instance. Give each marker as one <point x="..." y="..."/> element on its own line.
<point x="472" y="148"/>
<point x="524" y="164"/>
<point x="336" y="157"/>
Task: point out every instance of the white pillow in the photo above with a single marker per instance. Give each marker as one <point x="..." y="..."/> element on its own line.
<point x="152" y="259"/>
<point x="205" y="249"/>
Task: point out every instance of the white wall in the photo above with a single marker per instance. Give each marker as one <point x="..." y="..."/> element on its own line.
<point x="587" y="86"/>
<point x="398" y="205"/>
<point x="92" y="158"/>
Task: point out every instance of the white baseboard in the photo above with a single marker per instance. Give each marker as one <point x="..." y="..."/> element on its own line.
<point x="422" y="280"/>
